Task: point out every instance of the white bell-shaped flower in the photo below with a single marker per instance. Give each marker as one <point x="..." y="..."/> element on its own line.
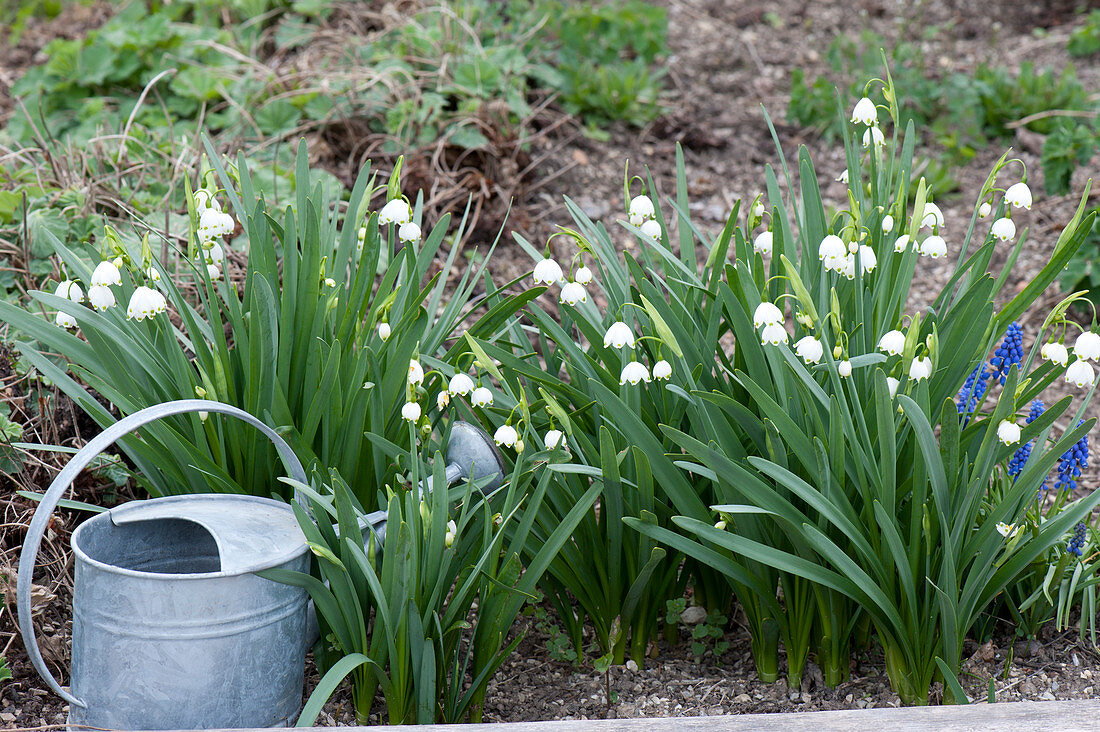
<point x="633" y="373"/>
<point x="1055" y="352"/>
<point x="985" y="209"/>
<point x="933" y="217"/>
<point x="416" y="373"/>
<point x="482" y="397"/>
<point x="892" y="385"/>
<point x="461" y="384"/>
<point x="1008" y="432"/>
<point x="934" y="247"/>
<point x="1008" y="531"/>
<point x="809" y="349"/>
<point x="583" y="276"/>
<point x="1019" y="195"/>
<point x="548" y="272"/>
<point x="214" y="254"/>
<point x="844" y="368"/>
<point x="410" y="412"/>
<point x="555" y="439"/>
<point x="867" y="259"/>
<point x="651" y="228"/>
<point x="506" y="435"/>
<point x="1003" y="230"/>
<point x="573" y="293"/>
<point x="773" y="334"/>
<point x="762" y="244"/>
<point x="766" y="313"/>
<point x="848" y="267"/>
<point x="145" y="303"/>
<point x="452" y="534"/>
<point x="662" y="370"/>
<point x="154" y="274"/>
<point x="396" y="211"/>
<point x="101" y="297"/>
<point x="214" y="272"/>
<point x="619" y="335"/>
<point x="758" y="210"/>
<point x="831" y="247"/>
<point x="887" y="224"/>
<point x="843" y="177"/>
<point x="70" y="291"/>
<point x="641" y="208"/>
<point x="865" y="113"/>
<point x="873" y="135"/>
<point x="1087" y="346"/>
<point x="1079" y="373"/>
<point x="892" y="342"/>
<point x="106" y="273"/>
<point x="901" y="243"/>
<point x="65" y="320"/>
<point x="921" y="368"/>
<point x="408" y="232"/>
<point x="384" y="331"/>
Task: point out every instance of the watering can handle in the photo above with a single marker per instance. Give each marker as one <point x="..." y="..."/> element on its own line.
<point x="64" y="479"/>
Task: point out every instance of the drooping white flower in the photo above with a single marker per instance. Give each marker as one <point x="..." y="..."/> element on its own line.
<point x="145" y="303"/>
<point x="619" y="335"/>
<point x="214" y="223"/>
<point x="831" y="247"/>
<point x="214" y="254"/>
<point x="214" y="272"/>
<point x="892" y="385"/>
<point x="766" y="314"/>
<point x="867" y="258"/>
<point x="70" y="291"/>
<point x="934" y="247"/>
<point x="844" y="368"/>
<point x="865" y="113"/>
<point x="763" y="243"/>
<point x="873" y="135"/>
<point x="548" y="272"/>
<point x="773" y="334"/>
<point x="583" y="276"/>
<point x="887" y="224"/>
<point x="633" y="373"/>
<point x="651" y="228"/>
<point x="442" y="400"/>
<point x="408" y="232"/>
<point x="758" y="210"/>
<point x="1087" y="346"/>
<point x="106" y="273"/>
<point x="985" y="209"/>
<point x="506" y="435"/>
<point x="451" y="535"/>
<point x="65" y="320"/>
<point x="1055" y="352"/>
<point x="573" y="293"/>
<point x="555" y="439"/>
<point x="662" y="370"/>
<point x="1019" y="195"/>
<point x="481" y="397"/>
<point x="933" y="217"/>
<point x="848" y="266"/>
<point x="396" y="211"/>
<point x="1008" y="432"/>
<point x="204" y="199"/>
<point x="921" y="368"/>
<point x="410" y="412"/>
<point x="809" y="349"/>
<point x="1079" y="373"/>
<point x="101" y="297"/>
<point x="154" y="274"/>
<point x="901" y="243"/>
<point x="803" y="319"/>
<point x="461" y="384"/>
<point x="1004" y="230"/>
<point x="416" y="373"/>
<point x="641" y="208"/>
<point x="720" y="525"/>
<point x="892" y="342"/>
<point x="1007" y="530"/>
<point x="843" y="177"/>
<point x="384" y="331"/>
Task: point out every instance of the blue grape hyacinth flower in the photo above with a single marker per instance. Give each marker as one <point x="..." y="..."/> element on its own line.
<point x="973" y="391"/>
<point x="1020" y="457"/>
<point x="1072" y="462"/>
<point x="1077" y="542"/>
<point x="1009" y="353"/>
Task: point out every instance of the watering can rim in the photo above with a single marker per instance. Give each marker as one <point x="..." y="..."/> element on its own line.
<point x="267" y="563"/>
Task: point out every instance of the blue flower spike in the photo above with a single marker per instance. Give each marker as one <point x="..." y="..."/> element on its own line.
<point x="1077" y="542"/>
<point x="1009" y="353"/>
<point x="1072" y="462"/>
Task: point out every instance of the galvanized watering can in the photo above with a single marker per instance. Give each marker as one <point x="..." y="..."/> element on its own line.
<point x="172" y="628"/>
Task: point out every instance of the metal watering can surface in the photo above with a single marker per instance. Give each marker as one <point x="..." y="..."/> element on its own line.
<point x="172" y="628"/>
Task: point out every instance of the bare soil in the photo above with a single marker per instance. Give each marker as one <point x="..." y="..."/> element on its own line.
<point x="728" y="59"/>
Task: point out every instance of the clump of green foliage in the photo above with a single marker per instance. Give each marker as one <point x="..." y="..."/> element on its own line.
<point x="1085" y="41"/>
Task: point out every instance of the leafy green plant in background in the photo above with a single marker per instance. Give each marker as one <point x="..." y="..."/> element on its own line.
<point x="1068" y="146"/>
<point x="852" y="443"/>
<point x="398" y="613"/>
<point x="299" y="344"/>
<point x="1085" y="40"/>
<point x="1082" y="275"/>
<point x="5" y="672"/>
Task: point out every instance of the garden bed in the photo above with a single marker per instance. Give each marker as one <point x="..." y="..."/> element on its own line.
<point x="726" y="62"/>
